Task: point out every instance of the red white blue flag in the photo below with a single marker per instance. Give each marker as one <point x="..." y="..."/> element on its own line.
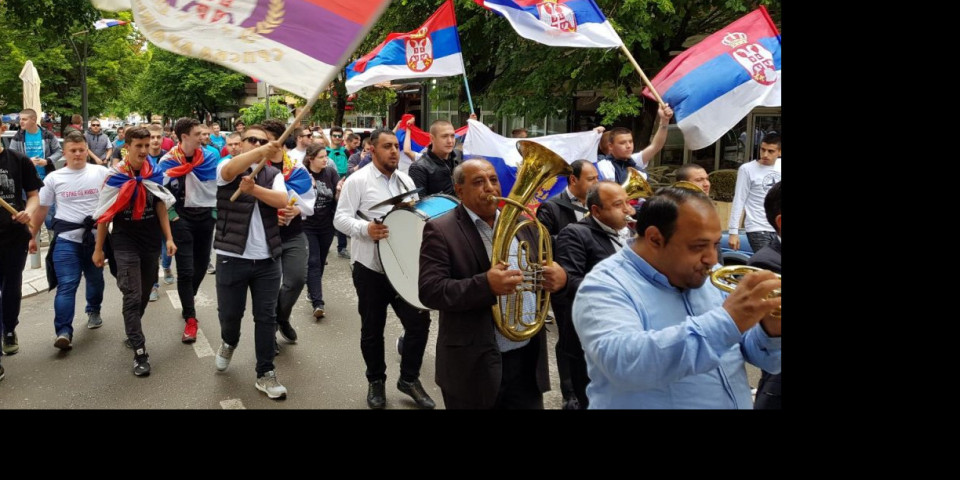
<point x="199" y="175"/>
<point x="715" y="83"/>
<point x="123" y="189"/>
<point x="558" y="23"/>
<point x="107" y="23"/>
<point x="433" y="50"/>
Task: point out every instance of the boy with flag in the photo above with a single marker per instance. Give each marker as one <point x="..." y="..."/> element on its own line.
<point x="134" y="199"/>
<point x="190" y="172"/>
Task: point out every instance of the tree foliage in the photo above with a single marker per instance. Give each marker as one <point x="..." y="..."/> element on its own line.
<point x="256" y="113"/>
<point x="55" y="35"/>
<point x="179" y="86"/>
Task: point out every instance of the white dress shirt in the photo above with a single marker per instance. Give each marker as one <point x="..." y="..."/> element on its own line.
<point x="617" y="238"/>
<point x="362" y="190"/>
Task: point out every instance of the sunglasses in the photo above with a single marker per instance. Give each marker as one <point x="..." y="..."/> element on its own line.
<point x="94" y="124"/>
<point x="307" y="135"/>
<point x="337" y="136"/>
<point x="256" y="141"/>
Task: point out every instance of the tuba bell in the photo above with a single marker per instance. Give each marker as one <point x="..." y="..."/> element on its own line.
<point x="540" y="165"/>
<point x="636" y="186"/>
<point x="728" y="278"/>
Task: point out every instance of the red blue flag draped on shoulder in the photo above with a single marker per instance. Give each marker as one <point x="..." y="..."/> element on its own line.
<point x="125" y="188"/>
<point x="714" y="84"/>
<point x="433" y="50"/>
<point x="296" y="45"/>
<point x="558" y="23"/>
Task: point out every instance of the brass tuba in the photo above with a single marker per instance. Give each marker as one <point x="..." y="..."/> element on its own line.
<point x="539" y="165"/>
<point x="728" y="278"/>
<point x="635" y="185"/>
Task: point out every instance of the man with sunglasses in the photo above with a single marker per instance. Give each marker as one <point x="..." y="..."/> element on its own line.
<point x="304" y="139"/>
<point x="338" y="154"/>
<point x="98" y="144"/>
<point x="248" y="247"/>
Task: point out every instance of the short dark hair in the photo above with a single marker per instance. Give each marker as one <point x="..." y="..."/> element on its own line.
<point x="518" y="131"/>
<point x="662" y="210"/>
<point x="239" y="122"/>
<point x="684" y="172"/>
<point x="29" y="112"/>
<point x="377" y="133"/>
<point x="74" y="137"/>
<point x="771" y="205"/>
<point x="275" y="127"/>
<point x="577" y="167"/>
<point x="352" y="137"/>
<point x="183" y="126"/>
<point x="771" y="138"/>
<point x="336" y="129"/>
<point x="593" y="195"/>
<point x="135" y="133"/>
<point x="438" y="123"/>
<point x="619" y="131"/>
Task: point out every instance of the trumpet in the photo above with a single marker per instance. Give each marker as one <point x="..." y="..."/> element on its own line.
<point x="728" y="278"/>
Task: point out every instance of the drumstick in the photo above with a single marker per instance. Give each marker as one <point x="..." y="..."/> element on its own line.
<point x="13" y="211"/>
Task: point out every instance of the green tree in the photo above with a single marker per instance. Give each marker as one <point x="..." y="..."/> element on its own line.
<point x="179" y="86"/>
<point x="256" y="113"/>
<point x="55" y="34"/>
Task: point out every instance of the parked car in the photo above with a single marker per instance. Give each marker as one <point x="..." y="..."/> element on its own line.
<point x="729" y="256"/>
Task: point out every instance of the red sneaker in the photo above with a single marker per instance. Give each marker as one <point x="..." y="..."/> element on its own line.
<point x="190" y="331"/>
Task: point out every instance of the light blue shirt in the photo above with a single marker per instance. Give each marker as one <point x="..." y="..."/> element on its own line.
<point x="33" y="147"/>
<point x="650" y="345"/>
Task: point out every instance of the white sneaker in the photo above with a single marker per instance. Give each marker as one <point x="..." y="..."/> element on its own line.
<point x="269" y="384"/>
<point x="224" y="354"/>
<point x="155" y="293"/>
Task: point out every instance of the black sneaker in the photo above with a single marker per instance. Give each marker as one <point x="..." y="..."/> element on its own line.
<point x="1" y="372"/>
<point x="10" y="344"/>
<point x="377" y="395"/>
<point x="141" y="365"/>
<point x="287" y="332"/>
<point x="417" y="393"/>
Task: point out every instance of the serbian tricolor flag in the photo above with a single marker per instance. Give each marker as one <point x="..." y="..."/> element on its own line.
<point x="716" y="83"/>
<point x="199" y="175"/>
<point x="296" y="45"/>
<point x="502" y="153"/>
<point x="299" y="185"/>
<point x="420" y="139"/>
<point x="122" y="188"/>
<point x="107" y="23"/>
<point x="558" y="23"/>
<point x="433" y="50"/>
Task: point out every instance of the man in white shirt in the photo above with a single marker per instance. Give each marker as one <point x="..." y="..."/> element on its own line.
<point x="754" y="180"/>
<point x="304" y="139"/>
<point x="357" y="214"/>
<point x="614" y="166"/>
<point x="248" y="248"/>
<point x="75" y="190"/>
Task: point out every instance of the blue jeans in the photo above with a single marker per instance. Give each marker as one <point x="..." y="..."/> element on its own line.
<point x="72" y="259"/>
<point x="165" y="260"/>
<point x="319" y="247"/>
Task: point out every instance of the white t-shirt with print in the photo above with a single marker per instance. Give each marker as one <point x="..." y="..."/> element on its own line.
<point x="76" y="193"/>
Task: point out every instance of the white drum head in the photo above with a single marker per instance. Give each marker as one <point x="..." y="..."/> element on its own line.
<point x="400" y="254"/>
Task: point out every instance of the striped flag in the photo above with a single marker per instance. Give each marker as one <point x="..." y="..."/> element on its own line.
<point x="107" y="23"/>
<point x="433" y="50"/>
<point x="200" y="177"/>
<point x="296" y="45"/>
<point x="122" y="189"/>
<point x="558" y="23"/>
<point x="715" y="83"/>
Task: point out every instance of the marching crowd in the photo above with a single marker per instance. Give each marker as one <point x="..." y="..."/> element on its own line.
<point x="639" y="324"/>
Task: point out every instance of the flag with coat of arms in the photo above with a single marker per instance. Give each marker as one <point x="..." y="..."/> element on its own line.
<point x="558" y="23"/>
<point x="433" y="50"/>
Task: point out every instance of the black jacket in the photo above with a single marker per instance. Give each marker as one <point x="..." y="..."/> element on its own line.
<point x="433" y="174"/>
<point x="557" y="213"/>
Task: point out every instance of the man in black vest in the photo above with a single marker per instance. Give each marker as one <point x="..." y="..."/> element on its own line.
<point x="434" y="170"/>
<point x="567" y="207"/>
<point x="248" y="248"/>
<point x="580" y="246"/>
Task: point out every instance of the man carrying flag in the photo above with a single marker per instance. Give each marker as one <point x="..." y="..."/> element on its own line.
<point x="134" y="199"/>
<point x="190" y="172"/>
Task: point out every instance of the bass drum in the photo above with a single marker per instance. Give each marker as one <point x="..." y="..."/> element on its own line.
<point x="400" y="251"/>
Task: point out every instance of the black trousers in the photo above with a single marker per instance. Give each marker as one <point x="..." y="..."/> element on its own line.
<point x="319" y="248"/>
<point x="518" y="383"/>
<point x="194" y="240"/>
<point x="374" y="293"/>
<point x="262" y="277"/>
<point x="768" y="392"/>
<point x="571" y="362"/>
<point x="136" y="274"/>
<point x="13" y="257"/>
